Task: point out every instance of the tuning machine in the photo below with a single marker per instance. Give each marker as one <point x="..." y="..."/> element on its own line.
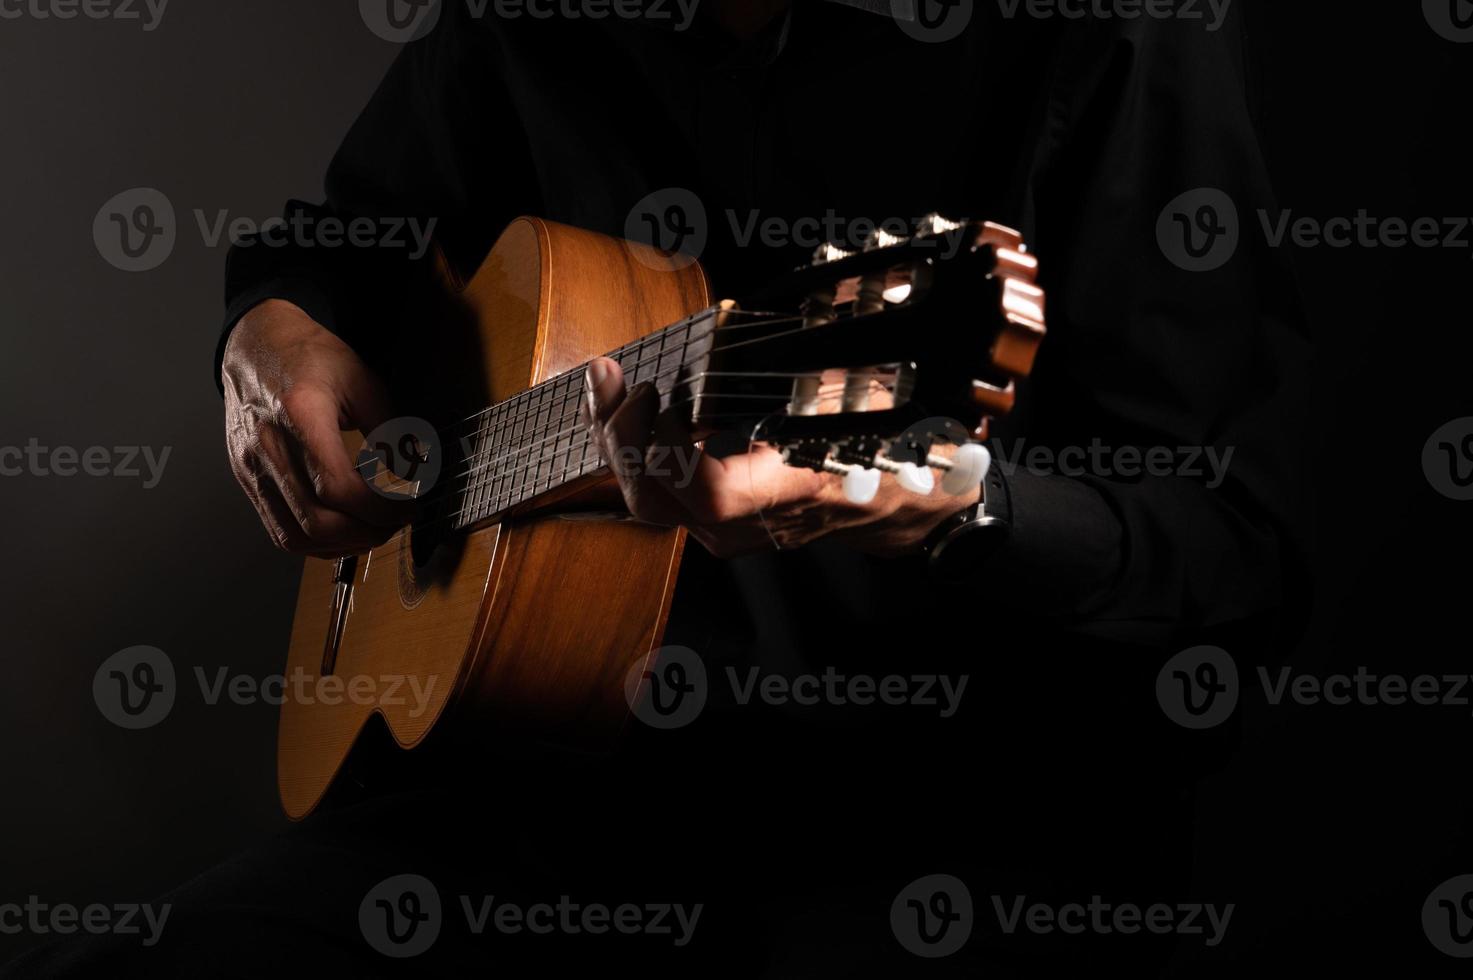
<point x="961" y="472"/>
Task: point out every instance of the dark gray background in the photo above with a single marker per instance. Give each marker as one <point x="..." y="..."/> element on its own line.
<point x="1328" y="831"/>
<point x="228" y="105"/>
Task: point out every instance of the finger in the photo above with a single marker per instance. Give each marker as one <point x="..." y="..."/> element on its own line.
<point x="277" y="519"/>
<point x="311" y="417"/>
<point x="625" y="443"/>
<point x="322" y="526"/>
<point x="718" y="491"/>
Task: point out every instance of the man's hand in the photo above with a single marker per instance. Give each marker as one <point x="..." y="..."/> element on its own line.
<point x="731" y="504"/>
<point x="291" y="388"/>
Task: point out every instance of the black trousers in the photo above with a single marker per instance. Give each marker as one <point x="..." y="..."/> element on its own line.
<point x="712" y="876"/>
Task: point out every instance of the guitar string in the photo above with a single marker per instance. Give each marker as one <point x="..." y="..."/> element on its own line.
<point x="475" y="498"/>
<point x="550" y="393"/>
<point x="399" y="534"/>
<point x="517" y="451"/>
<point x="504" y="499"/>
<point x="638" y="346"/>
<point x="574" y="415"/>
<point x="513" y="500"/>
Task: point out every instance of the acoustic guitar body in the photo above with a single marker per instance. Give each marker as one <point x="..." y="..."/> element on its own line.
<point x="529" y="625"/>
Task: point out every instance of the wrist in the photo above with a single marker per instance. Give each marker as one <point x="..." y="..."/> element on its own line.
<point x="960" y="546"/>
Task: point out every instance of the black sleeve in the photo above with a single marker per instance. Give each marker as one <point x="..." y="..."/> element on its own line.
<point x="1143" y="353"/>
<point x="439" y="151"/>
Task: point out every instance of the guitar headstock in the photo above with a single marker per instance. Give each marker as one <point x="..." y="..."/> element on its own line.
<point x="874" y="357"/>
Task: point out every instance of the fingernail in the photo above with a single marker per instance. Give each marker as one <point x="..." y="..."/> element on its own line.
<point x="597" y="371"/>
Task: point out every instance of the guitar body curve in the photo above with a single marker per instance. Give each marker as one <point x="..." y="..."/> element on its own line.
<point x="526" y="626"/>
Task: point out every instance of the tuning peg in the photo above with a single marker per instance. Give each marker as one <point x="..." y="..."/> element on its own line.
<point x="916" y="479"/>
<point x="935" y="224"/>
<point x="880" y="238"/>
<point x="964" y="471"/>
<point x="861" y="483"/>
<point x="829" y="252"/>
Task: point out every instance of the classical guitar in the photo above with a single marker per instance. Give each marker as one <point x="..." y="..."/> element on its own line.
<point x="522" y="597"/>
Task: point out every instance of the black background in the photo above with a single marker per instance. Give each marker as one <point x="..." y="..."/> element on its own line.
<point x="1327" y="831"/>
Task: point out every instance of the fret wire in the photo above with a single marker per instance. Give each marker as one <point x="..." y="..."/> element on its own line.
<point x="687" y="327"/>
<point x="482" y="439"/>
<point x="502" y="444"/>
<point x="531" y="415"/>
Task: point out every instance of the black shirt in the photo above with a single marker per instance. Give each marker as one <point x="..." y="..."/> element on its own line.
<point x="1077" y="132"/>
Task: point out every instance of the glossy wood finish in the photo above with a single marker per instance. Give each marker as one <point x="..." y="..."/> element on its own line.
<point x="528" y="626"/>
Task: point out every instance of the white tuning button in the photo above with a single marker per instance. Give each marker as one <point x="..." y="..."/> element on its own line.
<point x="916" y="479"/>
<point x="968" y="469"/>
<point x="861" y="485"/>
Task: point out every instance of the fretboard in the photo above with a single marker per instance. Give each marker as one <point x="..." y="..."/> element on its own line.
<point x="535" y="442"/>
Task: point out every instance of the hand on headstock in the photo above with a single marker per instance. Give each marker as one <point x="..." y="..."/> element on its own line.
<point x="888" y="360"/>
<point x="754" y="500"/>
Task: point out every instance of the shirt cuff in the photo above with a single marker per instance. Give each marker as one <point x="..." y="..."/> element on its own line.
<point x="1065" y="551"/>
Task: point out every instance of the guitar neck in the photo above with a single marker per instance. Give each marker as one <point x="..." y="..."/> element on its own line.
<point x="535" y="442"/>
